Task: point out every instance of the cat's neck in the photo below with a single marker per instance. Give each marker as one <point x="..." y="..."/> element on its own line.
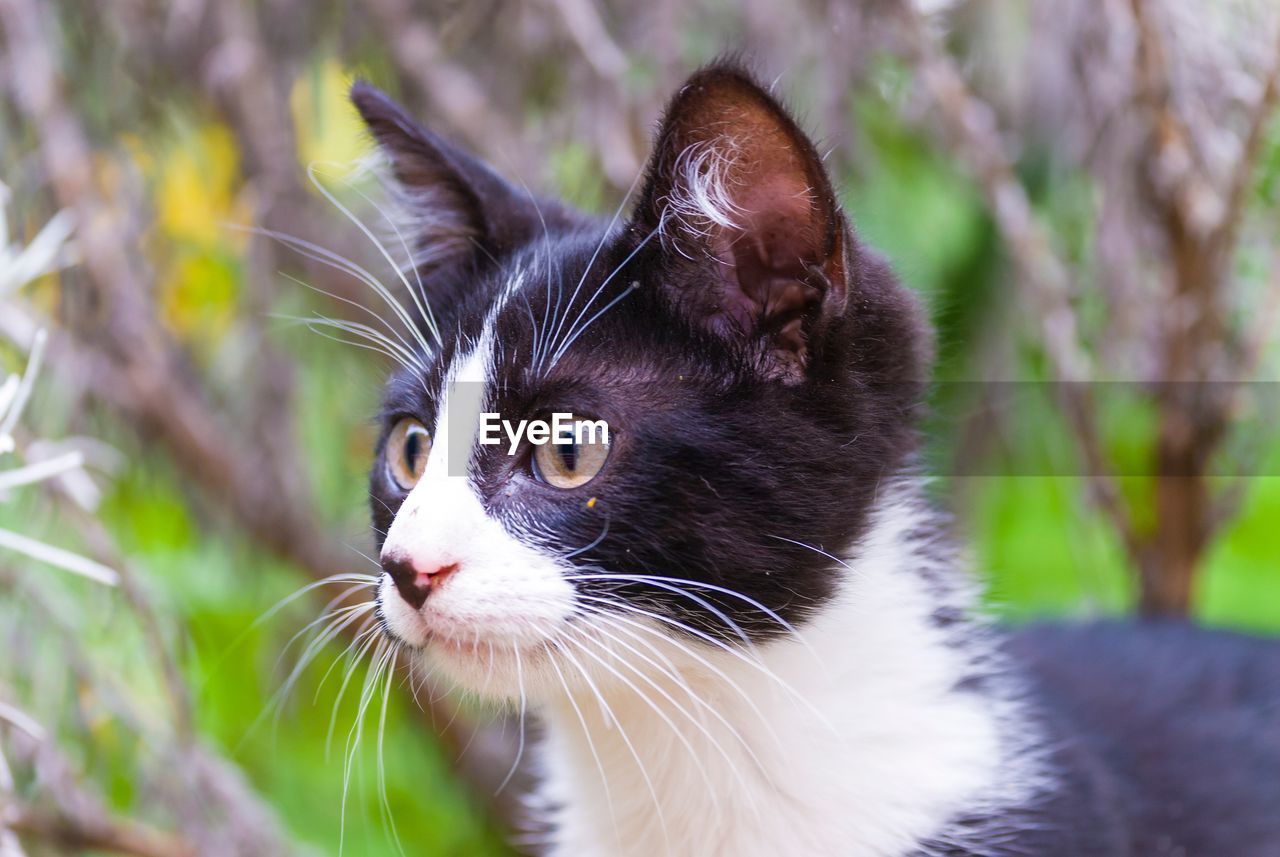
<point x="865" y="738"/>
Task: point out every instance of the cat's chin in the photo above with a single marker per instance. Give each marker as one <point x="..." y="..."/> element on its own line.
<point x="494" y="670"/>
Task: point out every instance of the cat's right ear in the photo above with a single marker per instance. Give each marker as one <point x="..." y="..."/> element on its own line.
<point x="460" y="208"/>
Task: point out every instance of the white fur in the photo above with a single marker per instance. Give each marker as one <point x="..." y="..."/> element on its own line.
<point x="702" y="196"/>
<point x="852" y="741"/>
<point x="880" y="755"/>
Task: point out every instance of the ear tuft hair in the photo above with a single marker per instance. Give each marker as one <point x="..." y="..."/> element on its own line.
<point x="735" y="184"/>
<point x="702" y="198"/>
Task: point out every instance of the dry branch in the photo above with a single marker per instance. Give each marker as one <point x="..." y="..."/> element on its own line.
<point x="1197" y="226"/>
<point x="133" y="365"/>
<point x="96" y="833"/>
<point x="454" y="94"/>
<point x="972" y="131"/>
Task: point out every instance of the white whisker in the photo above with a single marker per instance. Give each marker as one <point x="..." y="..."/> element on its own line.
<point x="571" y="335"/>
<point x="520" y="737"/>
<point x="368" y="233"/>
<point x="388" y="816"/>
<point x="672" y="672"/>
<point x="622" y="733"/>
<point x="420" y="298"/>
<point x="604" y="238"/>
<point x="591" y="745"/>
<point x="732" y="651"/>
<point x="382" y="655"/>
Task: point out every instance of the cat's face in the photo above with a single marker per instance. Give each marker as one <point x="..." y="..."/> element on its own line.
<point x="756" y="368"/>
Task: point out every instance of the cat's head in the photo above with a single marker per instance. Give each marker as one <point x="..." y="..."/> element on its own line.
<point x="757" y="369"/>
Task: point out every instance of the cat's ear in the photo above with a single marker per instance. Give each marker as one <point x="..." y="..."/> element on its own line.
<point x="736" y="187"/>
<point x="458" y="205"/>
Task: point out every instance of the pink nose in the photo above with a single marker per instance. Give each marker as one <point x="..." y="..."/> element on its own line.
<point x="414" y="584"/>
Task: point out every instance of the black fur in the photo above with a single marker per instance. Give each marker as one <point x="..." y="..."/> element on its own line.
<point x="1163" y="739"/>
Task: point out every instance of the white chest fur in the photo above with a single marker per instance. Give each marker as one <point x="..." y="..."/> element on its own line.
<point x="856" y="742"/>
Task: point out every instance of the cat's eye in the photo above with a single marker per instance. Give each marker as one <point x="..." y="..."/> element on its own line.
<point x="569" y="465"/>
<point x="408" y="447"/>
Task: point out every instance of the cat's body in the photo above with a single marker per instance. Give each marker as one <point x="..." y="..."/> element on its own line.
<point x="743" y="624"/>
<point x="1165" y="740"/>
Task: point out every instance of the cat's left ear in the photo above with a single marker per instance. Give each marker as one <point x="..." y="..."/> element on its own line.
<point x="744" y="207"/>
<point x="460" y="206"/>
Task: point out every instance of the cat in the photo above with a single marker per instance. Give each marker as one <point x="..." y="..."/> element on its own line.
<point x="744" y="626"/>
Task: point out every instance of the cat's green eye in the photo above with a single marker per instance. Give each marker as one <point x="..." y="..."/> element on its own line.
<point x="408" y="447"/>
<point x="569" y="465"/>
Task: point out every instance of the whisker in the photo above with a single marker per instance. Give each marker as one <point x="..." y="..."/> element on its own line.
<point x="515" y="764"/>
<point x="382" y="654"/>
<point x="338" y="621"/>
<point x="664" y="583"/>
<point x="388" y="816"/>
<point x="313" y="175"/>
<point x="591" y="745"/>
<point x="571" y="554"/>
<point x="361" y="631"/>
<point x="371" y="637"/>
<point x="673" y="584"/>
<point x="336" y="627"/>
<point x="319" y="254"/>
<point x="695" y="721"/>
<point x="348" y="577"/>
<point x="326" y="616"/>
<point x="422" y="305"/>
<point x="391" y="328"/>
<point x="570" y="336"/>
<point x="732" y="651"/>
<point x="626" y="739"/>
<point x="319" y="331"/>
<point x="401" y="353"/>
<point x="672" y="672"/>
<point x="712" y="790"/>
<point x="604" y="238"/>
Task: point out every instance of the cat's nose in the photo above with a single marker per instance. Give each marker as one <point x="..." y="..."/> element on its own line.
<point x="413" y="582"/>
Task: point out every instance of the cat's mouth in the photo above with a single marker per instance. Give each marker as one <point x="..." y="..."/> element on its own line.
<point x="484" y="652"/>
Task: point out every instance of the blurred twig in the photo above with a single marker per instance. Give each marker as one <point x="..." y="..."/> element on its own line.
<point x="93" y="833"/>
<point x="1263" y="112"/>
<point x="79" y="821"/>
<point x="140" y="369"/>
<point x="1198" y="227"/>
<point x="972" y="130"/>
<point x="1176" y="169"/>
<point x="448" y="87"/>
<point x="589" y="34"/>
<point x="134" y="365"/>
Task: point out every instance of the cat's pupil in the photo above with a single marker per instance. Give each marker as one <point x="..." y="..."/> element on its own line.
<point x="569" y="455"/>
<point x="412" y="449"/>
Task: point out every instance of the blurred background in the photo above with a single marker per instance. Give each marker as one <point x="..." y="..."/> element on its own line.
<point x="1085" y="193"/>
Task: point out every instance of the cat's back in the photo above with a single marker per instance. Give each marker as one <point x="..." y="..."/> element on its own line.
<point x="1178" y="726"/>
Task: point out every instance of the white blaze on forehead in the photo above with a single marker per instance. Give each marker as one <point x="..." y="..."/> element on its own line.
<point x="458" y="419"/>
<point x="465" y="388"/>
